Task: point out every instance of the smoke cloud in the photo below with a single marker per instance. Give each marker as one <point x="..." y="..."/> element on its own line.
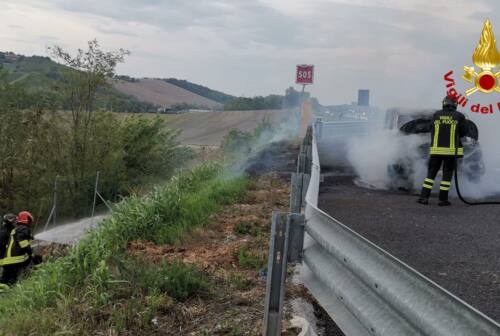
<point x="377" y="156"/>
<point x="489" y="138"/>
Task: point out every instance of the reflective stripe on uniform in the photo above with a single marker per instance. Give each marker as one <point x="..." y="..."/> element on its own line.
<point x="13" y="260"/>
<point x="428" y="180"/>
<point x="11" y="244"/>
<point x="445" y="185"/>
<point x="436" y="134"/>
<point x="24" y="243"/>
<point x="453" y="129"/>
<point x="9" y="259"/>
<point x="427" y="186"/>
<point x="446" y="151"/>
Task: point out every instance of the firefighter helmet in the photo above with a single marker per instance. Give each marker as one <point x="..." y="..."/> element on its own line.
<point x="9" y="218"/>
<point x="450" y="102"/>
<point x="24" y="217"/>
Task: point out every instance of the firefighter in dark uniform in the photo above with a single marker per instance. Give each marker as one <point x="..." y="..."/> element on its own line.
<point x="18" y="251"/>
<point x="8" y="224"/>
<point x="448" y="127"/>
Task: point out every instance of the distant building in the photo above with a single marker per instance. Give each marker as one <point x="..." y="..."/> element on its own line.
<point x="363" y="97"/>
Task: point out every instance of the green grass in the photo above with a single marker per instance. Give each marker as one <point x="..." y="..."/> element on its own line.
<point x="247" y="228"/>
<point x="240" y="281"/>
<point x="176" y="279"/>
<point x="98" y="285"/>
<point x="248" y="259"/>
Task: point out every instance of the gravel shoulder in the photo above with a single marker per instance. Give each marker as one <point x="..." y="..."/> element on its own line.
<point x="458" y="247"/>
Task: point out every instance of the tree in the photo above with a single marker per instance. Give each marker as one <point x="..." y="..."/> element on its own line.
<point x="86" y="72"/>
<point x="255" y="103"/>
<point x="150" y="149"/>
<point x="26" y="146"/>
<point x="40" y="142"/>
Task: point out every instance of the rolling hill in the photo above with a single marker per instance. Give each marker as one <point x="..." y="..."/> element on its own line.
<point x="161" y="93"/>
<point x="201" y="90"/>
<point x="209" y="128"/>
<point x="124" y="95"/>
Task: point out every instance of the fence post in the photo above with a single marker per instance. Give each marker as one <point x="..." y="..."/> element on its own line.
<point x="54" y="216"/>
<point x="95" y="193"/>
<point x="276" y="275"/>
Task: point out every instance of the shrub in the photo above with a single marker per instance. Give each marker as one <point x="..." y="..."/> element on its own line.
<point x="175" y="279"/>
<point x="247" y="228"/>
<point x="243" y="228"/>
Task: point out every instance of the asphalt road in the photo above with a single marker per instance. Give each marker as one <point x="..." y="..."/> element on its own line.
<point x="458" y="247"/>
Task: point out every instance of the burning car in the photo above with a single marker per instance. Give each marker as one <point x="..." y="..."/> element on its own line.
<point x="419" y="122"/>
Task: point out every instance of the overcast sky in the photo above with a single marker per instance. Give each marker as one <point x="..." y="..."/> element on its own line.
<point x="399" y="49"/>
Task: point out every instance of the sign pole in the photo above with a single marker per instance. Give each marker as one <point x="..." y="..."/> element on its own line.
<point x="304" y="75"/>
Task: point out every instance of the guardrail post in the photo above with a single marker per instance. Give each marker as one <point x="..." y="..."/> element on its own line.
<point x="276" y="275"/>
<point x="318" y="126"/>
<point x="296" y="224"/>
<point x="296" y="193"/>
<point x="308" y="137"/>
<point x="306" y="178"/>
<point x="301" y="164"/>
<point x="300" y="183"/>
<point x="308" y="164"/>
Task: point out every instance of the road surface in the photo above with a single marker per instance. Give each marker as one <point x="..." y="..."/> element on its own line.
<point x="458" y="247"/>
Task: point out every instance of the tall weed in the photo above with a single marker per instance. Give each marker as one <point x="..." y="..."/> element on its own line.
<point x="97" y="269"/>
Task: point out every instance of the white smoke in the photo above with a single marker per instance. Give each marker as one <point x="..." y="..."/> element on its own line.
<point x="378" y="153"/>
<point x="489" y="138"/>
<point x="373" y="154"/>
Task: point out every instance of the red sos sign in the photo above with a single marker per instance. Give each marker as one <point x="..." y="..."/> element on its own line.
<point x="305" y="74"/>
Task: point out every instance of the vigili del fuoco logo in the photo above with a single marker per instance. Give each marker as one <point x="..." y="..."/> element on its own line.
<point x="484" y="79"/>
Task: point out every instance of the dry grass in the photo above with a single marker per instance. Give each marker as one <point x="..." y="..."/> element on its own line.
<point x="236" y="308"/>
<point x="161" y="93"/>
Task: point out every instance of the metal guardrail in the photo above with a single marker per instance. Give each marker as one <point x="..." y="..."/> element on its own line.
<point x="340" y="129"/>
<point x="363" y="288"/>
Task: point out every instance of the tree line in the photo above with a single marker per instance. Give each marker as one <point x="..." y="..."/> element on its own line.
<point x="58" y="131"/>
<point x="291" y="99"/>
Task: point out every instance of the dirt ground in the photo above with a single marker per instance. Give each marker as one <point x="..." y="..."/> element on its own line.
<point x="236" y="306"/>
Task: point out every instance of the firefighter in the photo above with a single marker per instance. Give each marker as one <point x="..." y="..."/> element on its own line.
<point x="448" y="127"/>
<point x="18" y="251"/>
<point x="8" y="224"/>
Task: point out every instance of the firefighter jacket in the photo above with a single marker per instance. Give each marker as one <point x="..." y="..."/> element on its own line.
<point x="18" y="249"/>
<point x="5" y="230"/>
<point x="448" y="126"/>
